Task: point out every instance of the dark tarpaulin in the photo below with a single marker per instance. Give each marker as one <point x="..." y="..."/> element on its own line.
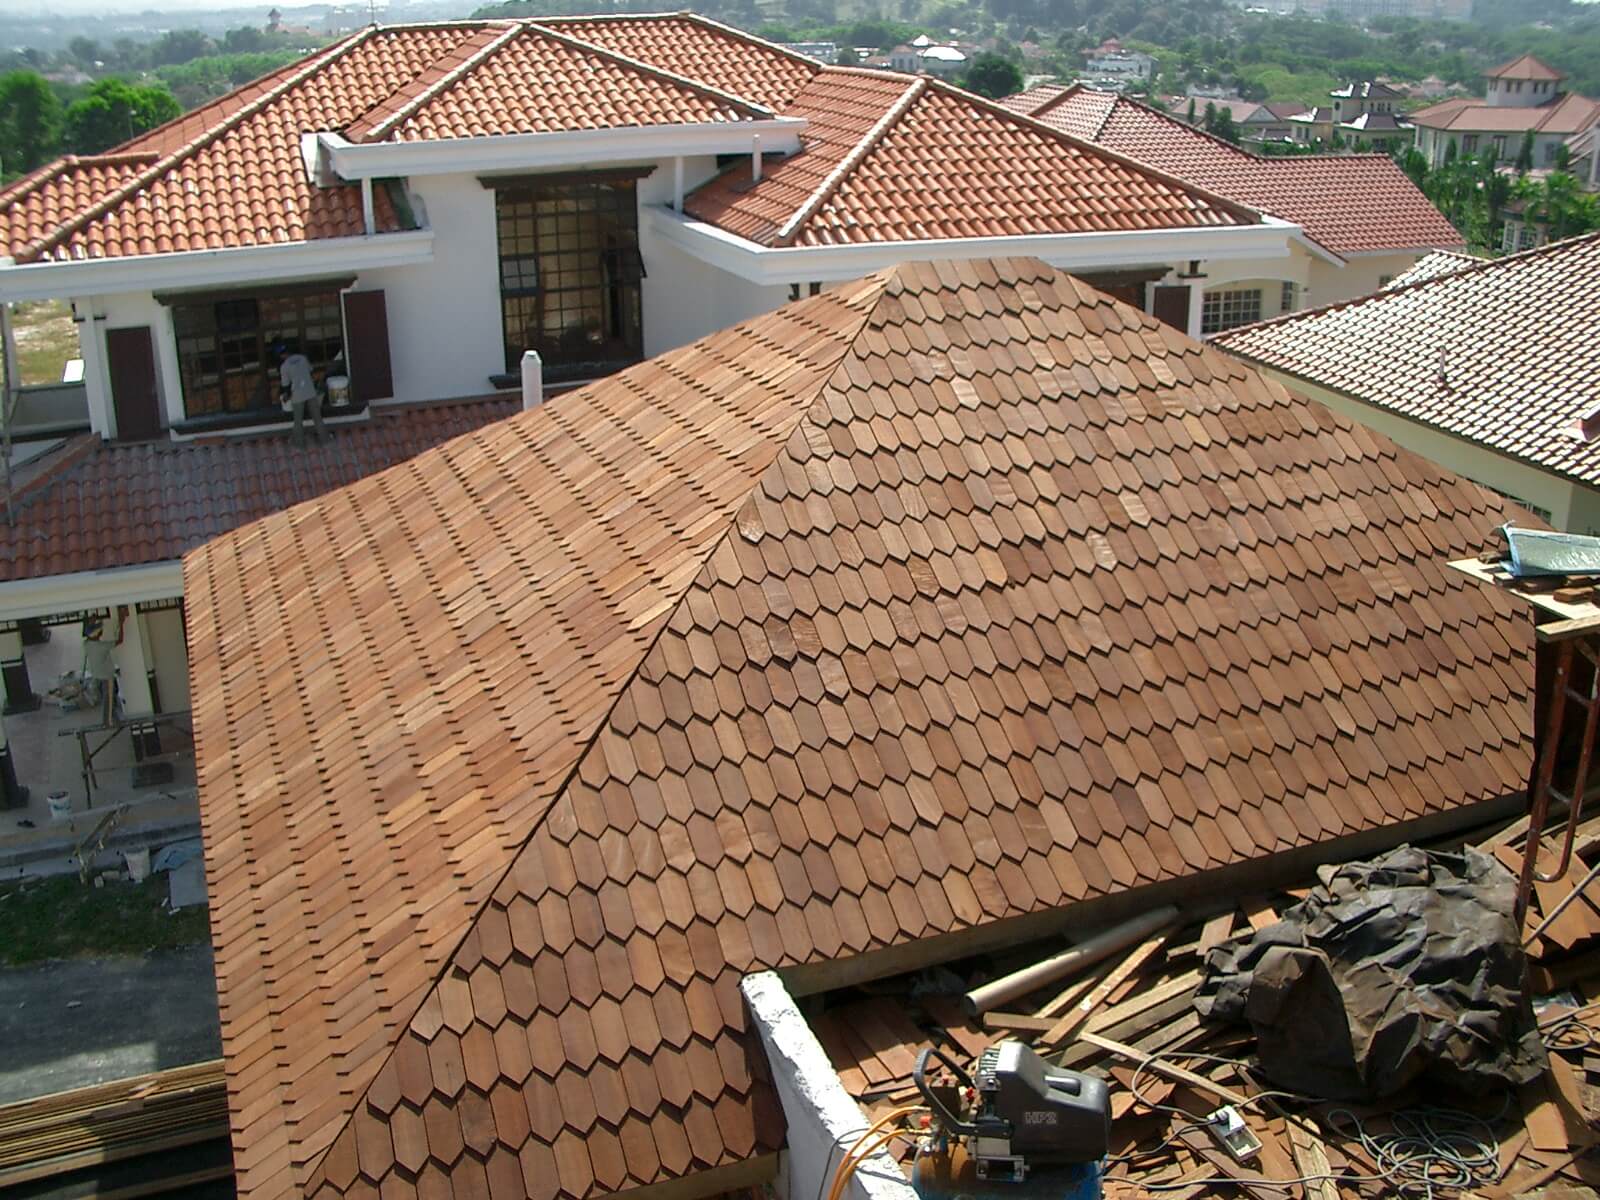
<point x="1405" y="967"/>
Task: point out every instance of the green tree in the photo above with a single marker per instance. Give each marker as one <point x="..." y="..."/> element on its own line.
<point x="992" y="76"/>
<point x="180" y="46"/>
<point x="846" y="57"/>
<point x="1209" y="123"/>
<point x="85" y="51"/>
<point x="1225" y="128"/>
<point x="114" y="111"/>
<point x="1525" y="153"/>
<point x="30" y="121"/>
<point x="246" y="40"/>
<point x="1189" y="116"/>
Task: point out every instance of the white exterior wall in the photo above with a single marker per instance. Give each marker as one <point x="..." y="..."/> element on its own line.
<point x="686" y="298"/>
<point x="824" y="1122"/>
<point x="444" y="316"/>
<point x="119" y="311"/>
<point x="1360" y="276"/>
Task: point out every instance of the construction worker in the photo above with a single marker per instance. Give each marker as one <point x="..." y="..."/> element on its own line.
<point x="300" y="389"/>
<point x="99" y="662"/>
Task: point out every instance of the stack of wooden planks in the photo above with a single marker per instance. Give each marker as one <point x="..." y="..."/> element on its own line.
<point x="1114" y="1016"/>
<point x="111" y="1122"/>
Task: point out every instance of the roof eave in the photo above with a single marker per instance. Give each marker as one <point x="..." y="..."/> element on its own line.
<point x="774" y="265"/>
<point x="53" y="279"/>
<point x="589" y="147"/>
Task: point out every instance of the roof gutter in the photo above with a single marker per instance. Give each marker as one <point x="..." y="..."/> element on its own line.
<point x="353" y="161"/>
<point x="771" y="265"/>
<point x="53" y="279"/>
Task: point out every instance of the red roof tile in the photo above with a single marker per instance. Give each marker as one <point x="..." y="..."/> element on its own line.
<point x="1347" y="203"/>
<point x="1504" y="352"/>
<point x="900" y="159"/>
<point x="521" y="79"/>
<point x="901" y="610"/>
<point x="1525" y="66"/>
<point x="95" y="505"/>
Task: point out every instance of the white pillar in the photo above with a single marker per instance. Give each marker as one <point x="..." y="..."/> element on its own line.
<point x="133" y="667"/>
<point x="677" y="183"/>
<point x="532" y="380"/>
<point x="1197" y="299"/>
<point x="8" y="343"/>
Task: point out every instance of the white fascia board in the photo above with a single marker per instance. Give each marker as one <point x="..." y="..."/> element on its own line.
<point x="583" y="148"/>
<point x="204" y="268"/>
<point x="51" y="594"/>
<point x="770" y="265"/>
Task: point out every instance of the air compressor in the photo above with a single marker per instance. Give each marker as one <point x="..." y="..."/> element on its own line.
<point x="1015" y="1129"/>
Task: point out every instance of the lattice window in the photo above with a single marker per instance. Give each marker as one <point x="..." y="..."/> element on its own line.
<point x="225" y="357"/>
<point x="570" y="275"/>
<point x="1225" y="310"/>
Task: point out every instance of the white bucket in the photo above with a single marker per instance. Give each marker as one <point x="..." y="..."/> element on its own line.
<point x="138" y="864"/>
<point x="60" y="805"/>
<point x="338" y="391"/>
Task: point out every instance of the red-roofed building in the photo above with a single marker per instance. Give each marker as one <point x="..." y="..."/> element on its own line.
<point x="416" y="206"/>
<point x="1521" y="97"/>
<point x="1361" y="221"/>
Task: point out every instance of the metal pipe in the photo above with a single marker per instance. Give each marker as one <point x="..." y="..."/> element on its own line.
<point x="1549" y="917"/>
<point x="755" y="159"/>
<point x="1084" y="954"/>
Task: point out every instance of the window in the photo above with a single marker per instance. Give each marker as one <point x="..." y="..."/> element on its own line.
<point x="1225" y="310"/>
<point x="569" y="276"/>
<point x="1542" y="513"/>
<point x="1469" y="143"/>
<point x="225" y="357"/>
<point x="1550" y="149"/>
<point x="1290" y="300"/>
<point x="1499" y="145"/>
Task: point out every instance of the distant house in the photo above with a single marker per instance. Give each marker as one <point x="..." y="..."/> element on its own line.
<point x="1269" y="122"/>
<point x="926" y="57"/>
<point x="1363" y="114"/>
<point x="1113" y="59"/>
<point x="1363" y="221"/>
<point x="1522" y="96"/>
<point x="1487" y="367"/>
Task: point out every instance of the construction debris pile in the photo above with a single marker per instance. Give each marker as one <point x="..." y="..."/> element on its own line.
<point x="1193" y="1113"/>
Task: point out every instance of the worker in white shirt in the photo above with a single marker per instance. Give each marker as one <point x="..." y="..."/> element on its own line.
<point x="294" y="379"/>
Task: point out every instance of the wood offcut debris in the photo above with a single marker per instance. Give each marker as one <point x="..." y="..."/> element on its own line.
<point x="1129" y="1015"/>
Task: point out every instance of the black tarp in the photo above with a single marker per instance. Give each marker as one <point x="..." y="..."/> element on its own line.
<point x="1388" y="971"/>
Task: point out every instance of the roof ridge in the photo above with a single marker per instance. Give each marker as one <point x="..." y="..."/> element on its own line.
<point x="643" y="67"/>
<point x="1475" y="267"/>
<point x="313" y="1164"/>
<point x="742" y="35"/>
<point x="1088" y="146"/>
<point x="44" y="173"/>
<point x="1074" y="88"/>
<point x="834" y="178"/>
<point x="445" y="81"/>
<point x="137" y="184"/>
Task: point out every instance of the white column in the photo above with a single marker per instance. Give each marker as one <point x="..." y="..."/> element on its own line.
<point x="8" y="343"/>
<point x="133" y="667"/>
<point x="1197" y="297"/>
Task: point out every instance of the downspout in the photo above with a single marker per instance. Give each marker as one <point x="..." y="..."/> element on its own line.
<point x="369" y="219"/>
<point x="677" y="184"/>
<point x="755" y="158"/>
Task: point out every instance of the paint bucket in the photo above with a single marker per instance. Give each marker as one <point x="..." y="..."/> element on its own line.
<point x="60" y="805"/>
<point x="138" y="864"/>
<point x="338" y="391"/>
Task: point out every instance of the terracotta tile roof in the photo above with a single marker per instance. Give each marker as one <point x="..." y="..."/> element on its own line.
<point x="1569" y="113"/>
<point x="700" y="48"/>
<point x="1517" y="341"/>
<point x="516" y="758"/>
<point x="242" y="181"/>
<point x="522" y="79"/>
<point x="32" y="207"/>
<point x="97" y="505"/>
<point x="1347" y="203"/>
<point x="931" y="161"/>
<point x="1525" y="66"/>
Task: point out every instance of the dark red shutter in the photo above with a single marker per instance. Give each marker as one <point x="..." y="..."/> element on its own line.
<point x="1172" y="306"/>
<point x="133" y="383"/>
<point x="366" y="324"/>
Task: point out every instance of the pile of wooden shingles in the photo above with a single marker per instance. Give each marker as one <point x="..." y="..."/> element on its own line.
<point x="1141" y="1001"/>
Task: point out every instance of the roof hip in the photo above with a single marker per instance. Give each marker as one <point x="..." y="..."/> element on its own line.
<point x="134" y="186"/>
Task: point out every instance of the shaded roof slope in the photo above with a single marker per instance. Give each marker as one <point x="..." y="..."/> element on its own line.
<point x="440" y="640"/>
<point x="1347" y="203"/>
<point x="901" y="159"/>
<point x="96" y="505"/>
<point x="1037" y="601"/>
<point x="1525" y="66"/>
<point x="1504" y="352"/>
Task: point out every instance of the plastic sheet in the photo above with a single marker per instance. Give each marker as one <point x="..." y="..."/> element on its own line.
<point x="1390" y="971"/>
